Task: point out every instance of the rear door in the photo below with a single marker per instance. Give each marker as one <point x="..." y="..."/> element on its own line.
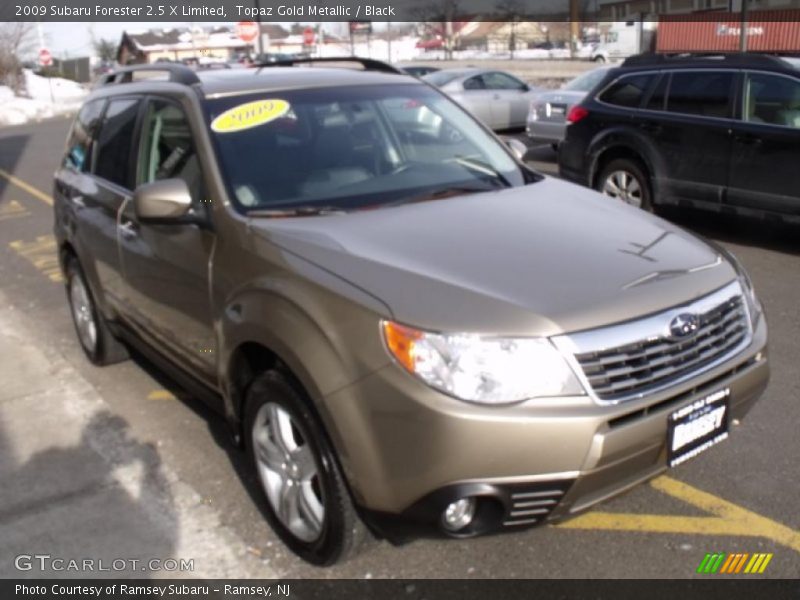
<point x="689" y="118"/>
<point x="166" y="267"/>
<point x="100" y="196"/>
<point x="509" y="99"/>
<point x="765" y="161"/>
<point x="477" y="99"/>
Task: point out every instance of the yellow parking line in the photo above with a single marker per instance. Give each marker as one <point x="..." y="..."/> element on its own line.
<point x="36" y="193"/>
<point x="161" y="395"/>
<point x="728" y="519"/>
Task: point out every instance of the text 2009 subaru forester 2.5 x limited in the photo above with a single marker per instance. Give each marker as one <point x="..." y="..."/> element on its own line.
<point x="405" y="326"/>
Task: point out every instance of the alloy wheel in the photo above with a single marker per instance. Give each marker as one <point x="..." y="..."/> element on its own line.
<point x="288" y="471"/>
<point x="624" y="186"/>
<point x="83" y="312"/>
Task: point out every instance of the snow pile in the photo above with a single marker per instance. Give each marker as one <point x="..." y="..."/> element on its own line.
<point x="40" y="104"/>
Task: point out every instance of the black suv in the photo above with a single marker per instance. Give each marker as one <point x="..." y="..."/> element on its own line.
<point x="714" y="132"/>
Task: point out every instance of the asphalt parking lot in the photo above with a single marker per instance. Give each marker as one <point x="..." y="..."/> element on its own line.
<point x="740" y="496"/>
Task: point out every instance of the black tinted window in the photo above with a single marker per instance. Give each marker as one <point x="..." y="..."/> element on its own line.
<point x="772" y="99"/>
<point x="704" y="93"/>
<point x="501" y="81"/>
<point x="79" y="144"/>
<point x="659" y="94"/>
<point x="112" y="153"/>
<point x="475" y="83"/>
<point x="627" y="91"/>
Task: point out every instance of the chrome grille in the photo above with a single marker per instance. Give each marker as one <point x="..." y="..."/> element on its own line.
<point x="654" y="360"/>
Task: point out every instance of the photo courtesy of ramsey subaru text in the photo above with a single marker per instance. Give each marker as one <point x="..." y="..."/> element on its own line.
<point x="409" y="331"/>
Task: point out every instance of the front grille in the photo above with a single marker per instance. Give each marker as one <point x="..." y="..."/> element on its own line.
<point x="530" y="504"/>
<point x="655" y="361"/>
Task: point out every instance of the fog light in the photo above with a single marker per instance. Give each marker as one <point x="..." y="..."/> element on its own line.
<point x="459" y="514"/>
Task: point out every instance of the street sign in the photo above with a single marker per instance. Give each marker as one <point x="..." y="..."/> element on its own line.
<point x="308" y="36"/>
<point x="45" y="58"/>
<point x="247" y="31"/>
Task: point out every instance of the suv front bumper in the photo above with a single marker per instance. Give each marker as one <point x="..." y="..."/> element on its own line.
<point x="408" y="451"/>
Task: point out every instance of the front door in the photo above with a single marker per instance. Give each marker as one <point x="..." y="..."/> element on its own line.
<point x="764" y="172"/>
<point x="166" y="267"/>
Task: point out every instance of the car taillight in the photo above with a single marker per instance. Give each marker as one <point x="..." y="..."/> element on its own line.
<point x="576" y="113"/>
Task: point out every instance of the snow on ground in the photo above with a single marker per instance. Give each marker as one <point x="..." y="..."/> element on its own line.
<point x="66" y="98"/>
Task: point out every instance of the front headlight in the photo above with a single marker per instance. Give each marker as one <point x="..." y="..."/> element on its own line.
<point x="753" y="305"/>
<point x="487" y="370"/>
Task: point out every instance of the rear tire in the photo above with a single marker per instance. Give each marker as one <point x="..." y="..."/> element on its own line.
<point x="96" y="339"/>
<point x="307" y="504"/>
<point x="626" y="179"/>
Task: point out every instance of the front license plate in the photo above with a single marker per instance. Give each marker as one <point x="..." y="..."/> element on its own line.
<point x="697" y="426"/>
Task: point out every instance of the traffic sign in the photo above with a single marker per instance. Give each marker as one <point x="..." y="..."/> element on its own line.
<point x="45" y="58"/>
<point x="247" y="31"/>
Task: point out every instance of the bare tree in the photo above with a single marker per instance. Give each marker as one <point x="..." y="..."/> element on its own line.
<point x="511" y="11"/>
<point x="106" y="50"/>
<point x="435" y="17"/>
<point x="15" y="41"/>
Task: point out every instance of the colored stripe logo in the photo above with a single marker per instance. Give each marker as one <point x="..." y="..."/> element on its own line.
<point x="738" y="562"/>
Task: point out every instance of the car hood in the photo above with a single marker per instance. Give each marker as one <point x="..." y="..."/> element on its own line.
<point x="542" y="259"/>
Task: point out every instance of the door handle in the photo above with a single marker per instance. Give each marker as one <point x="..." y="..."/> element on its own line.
<point x="496" y="96"/>
<point x="128" y="230"/>
<point x="747" y="138"/>
<point x="650" y="127"/>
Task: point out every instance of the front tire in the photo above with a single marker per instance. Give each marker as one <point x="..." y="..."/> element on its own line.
<point x="626" y="180"/>
<point x="97" y="341"/>
<point x="308" y="504"/>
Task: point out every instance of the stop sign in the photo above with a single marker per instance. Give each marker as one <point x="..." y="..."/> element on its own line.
<point x="308" y="36"/>
<point x="45" y="58"/>
<point x="247" y="31"/>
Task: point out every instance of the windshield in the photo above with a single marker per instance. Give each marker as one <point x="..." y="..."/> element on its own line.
<point x="353" y="147"/>
<point x="585" y="82"/>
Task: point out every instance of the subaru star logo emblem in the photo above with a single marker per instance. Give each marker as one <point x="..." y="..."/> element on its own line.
<point x="684" y="325"/>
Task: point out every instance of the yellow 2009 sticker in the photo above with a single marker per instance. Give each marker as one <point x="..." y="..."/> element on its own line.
<point x="250" y="114"/>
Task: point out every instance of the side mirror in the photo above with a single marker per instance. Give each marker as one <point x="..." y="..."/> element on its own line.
<point x="518" y="148"/>
<point x="167" y="200"/>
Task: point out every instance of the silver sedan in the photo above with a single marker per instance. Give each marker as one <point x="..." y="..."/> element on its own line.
<point x="547" y="117"/>
<point x="497" y="98"/>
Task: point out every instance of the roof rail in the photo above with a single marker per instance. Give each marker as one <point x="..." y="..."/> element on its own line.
<point x="369" y="64"/>
<point x="743" y="59"/>
<point x="178" y="73"/>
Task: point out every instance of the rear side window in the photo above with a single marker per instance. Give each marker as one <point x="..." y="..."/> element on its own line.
<point x="627" y="91"/>
<point x="659" y="95"/>
<point x="80" y="138"/>
<point x="704" y="93"/>
<point x="112" y="153"/>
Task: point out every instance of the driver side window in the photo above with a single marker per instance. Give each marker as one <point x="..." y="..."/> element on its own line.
<point x="501" y="81"/>
<point x="167" y="149"/>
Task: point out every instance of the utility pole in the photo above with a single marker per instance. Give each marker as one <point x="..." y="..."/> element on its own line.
<point x="574" y="27"/>
<point x="258" y="22"/>
<point x="743" y="28"/>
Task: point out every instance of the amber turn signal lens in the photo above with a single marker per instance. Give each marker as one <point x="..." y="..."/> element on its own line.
<point x="400" y="341"/>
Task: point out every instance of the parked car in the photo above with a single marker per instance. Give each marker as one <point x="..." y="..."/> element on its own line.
<point x="407" y="330"/>
<point x="497" y="98"/>
<point x="418" y="70"/>
<point x="718" y="133"/>
<point x="547" y="115"/>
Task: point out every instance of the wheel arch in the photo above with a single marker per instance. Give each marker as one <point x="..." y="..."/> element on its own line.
<point x="618" y="147"/>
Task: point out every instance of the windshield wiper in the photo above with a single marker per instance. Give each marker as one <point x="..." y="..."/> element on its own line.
<point x="441" y="194"/>
<point x="485" y="168"/>
<point x="299" y="211"/>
